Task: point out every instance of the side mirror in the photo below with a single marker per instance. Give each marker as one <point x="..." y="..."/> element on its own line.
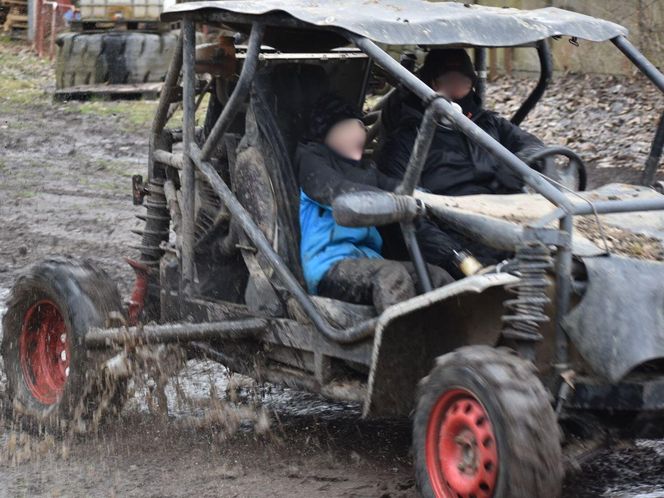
<point x="366" y="209"/>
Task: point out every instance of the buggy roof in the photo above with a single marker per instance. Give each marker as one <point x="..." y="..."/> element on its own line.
<point x="409" y="22"/>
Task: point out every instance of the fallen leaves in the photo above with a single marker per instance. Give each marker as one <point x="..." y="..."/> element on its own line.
<point x="609" y="120"/>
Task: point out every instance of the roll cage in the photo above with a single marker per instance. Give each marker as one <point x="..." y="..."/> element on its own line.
<point x="195" y="158"/>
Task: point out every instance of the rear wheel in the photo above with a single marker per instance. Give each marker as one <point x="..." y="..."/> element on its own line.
<point x="484" y="427"/>
<point x="53" y="381"/>
<point x="44" y="351"/>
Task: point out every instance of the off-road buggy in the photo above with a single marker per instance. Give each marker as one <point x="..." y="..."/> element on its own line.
<point x="488" y="367"/>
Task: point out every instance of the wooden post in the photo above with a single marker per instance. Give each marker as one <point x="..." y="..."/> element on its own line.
<point x="493" y="64"/>
<point x="54" y="17"/>
<point x="509" y="53"/>
<point x="39" y="32"/>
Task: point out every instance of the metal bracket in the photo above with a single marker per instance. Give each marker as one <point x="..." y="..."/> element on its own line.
<point x="548" y="236"/>
<point x="138" y="190"/>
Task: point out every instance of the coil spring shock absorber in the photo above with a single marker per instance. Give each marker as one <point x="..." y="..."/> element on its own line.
<point x="524" y="314"/>
<point x="157" y="222"/>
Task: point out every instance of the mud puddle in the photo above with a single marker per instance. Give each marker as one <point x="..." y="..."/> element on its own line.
<point x="227" y="428"/>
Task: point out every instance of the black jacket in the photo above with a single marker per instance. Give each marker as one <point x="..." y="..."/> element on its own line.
<point x="324" y="174"/>
<point x="456" y="165"/>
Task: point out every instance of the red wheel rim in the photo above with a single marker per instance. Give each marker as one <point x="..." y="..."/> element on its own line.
<point x="461" y="450"/>
<point x="44" y="351"/>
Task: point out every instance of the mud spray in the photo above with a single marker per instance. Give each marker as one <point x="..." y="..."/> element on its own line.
<point x="177" y="396"/>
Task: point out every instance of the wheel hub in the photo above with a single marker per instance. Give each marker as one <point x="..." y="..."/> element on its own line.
<point x="44" y="352"/>
<point x="468" y="452"/>
<point x="461" y="452"/>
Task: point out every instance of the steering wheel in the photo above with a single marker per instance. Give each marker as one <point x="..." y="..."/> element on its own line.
<point x="571" y="173"/>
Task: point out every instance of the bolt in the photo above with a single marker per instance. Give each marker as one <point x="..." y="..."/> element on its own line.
<point x="63" y="356"/>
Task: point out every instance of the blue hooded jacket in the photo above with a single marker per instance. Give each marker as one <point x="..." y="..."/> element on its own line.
<point x="324" y="175"/>
<point x="324" y="242"/>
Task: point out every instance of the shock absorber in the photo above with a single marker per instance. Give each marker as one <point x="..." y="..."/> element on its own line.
<point x="525" y="312"/>
<point x="157" y="222"/>
<point x="156" y="230"/>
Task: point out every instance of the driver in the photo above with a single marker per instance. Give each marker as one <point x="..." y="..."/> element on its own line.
<point x="455" y="164"/>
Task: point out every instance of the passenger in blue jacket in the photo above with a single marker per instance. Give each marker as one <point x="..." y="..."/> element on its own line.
<point x="341" y="262"/>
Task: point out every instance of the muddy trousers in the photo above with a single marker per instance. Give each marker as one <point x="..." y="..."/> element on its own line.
<point x="381" y="282"/>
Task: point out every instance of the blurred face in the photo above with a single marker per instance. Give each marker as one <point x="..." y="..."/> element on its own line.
<point x="452" y="85"/>
<point x="347" y="138"/>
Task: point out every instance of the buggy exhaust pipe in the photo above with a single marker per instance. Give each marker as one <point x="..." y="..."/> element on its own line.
<point x="98" y="338"/>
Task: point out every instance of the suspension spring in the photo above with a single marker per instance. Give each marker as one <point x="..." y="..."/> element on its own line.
<point x="524" y="314"/>
<point x="157" y="223"/>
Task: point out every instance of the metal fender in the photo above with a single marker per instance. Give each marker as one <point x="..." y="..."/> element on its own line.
<point x="410" y="335"/>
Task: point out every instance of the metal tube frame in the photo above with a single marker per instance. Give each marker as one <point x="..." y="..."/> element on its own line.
<point x="546" y="72"/>
<point x="413" y="246"/>
<point x="410" y="180"/>
<point x="603" y="207"/>
<point x="437" y="108"/>
<point x="652" y="163"/>
<point x="188" y="175"/>
<point x="640" y="61"/>
<point x="657" y="78"/>
<point x="165" y="99"/>
<point x="353" y="334"/>
<point x="566" y="210"/>
<point x="174" y="333"/>
<point x="563" y="296"/>
<point x="480" y="69"/>
<point x="240" y="91"/>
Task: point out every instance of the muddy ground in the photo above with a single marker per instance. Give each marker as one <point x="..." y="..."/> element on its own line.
<point x="65" y="172"/>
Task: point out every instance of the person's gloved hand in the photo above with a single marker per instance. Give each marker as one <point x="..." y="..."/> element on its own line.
<point x="467" y="263"/>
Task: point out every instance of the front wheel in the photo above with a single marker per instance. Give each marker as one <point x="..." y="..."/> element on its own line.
<point x="484" y="428"/>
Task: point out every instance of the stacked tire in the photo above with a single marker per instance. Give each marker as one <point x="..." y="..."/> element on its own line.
<point x="114" y="58"/>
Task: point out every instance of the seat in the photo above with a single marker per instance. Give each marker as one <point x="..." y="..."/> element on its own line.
<point x="265" y="181"/>
<point x="264" y="177"/>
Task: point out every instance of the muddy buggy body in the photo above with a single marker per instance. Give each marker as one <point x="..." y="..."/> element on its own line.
<point x="490" y="367"/>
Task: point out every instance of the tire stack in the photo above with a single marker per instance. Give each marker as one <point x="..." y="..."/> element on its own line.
<point x="113" y="57"/>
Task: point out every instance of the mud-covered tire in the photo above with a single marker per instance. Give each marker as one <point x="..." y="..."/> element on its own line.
<point x="486" y="410"/>
<point x="114" y="57"/>
<point x="50" y="309"/>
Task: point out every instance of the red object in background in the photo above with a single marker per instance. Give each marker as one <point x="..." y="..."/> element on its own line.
<point x="49" y="21"/>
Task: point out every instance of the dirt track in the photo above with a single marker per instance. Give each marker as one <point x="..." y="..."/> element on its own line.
<point x="65" y="189"/>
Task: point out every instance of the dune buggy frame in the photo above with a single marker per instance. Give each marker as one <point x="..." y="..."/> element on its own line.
<point x="349" y="343"/>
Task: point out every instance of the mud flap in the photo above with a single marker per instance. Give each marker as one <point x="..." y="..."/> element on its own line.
<point x="619" y="323"/>
<point x="259" y="295"/>
<point x="410" y="335"/>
